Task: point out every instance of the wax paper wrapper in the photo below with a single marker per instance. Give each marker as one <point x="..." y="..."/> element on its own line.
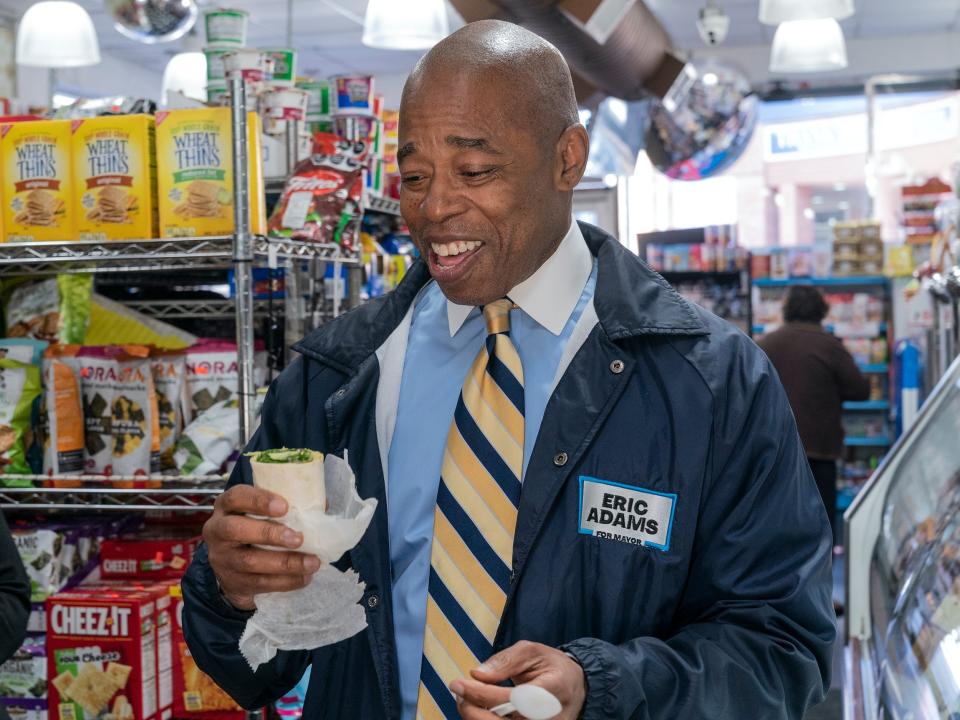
<point x="326" y="610"/>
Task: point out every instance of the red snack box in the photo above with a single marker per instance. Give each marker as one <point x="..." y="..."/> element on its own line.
<point x="101" y="655"/>
<point x="163" y="621"/>
<point x="160" y="554"/>
<point x="195" y="694"/>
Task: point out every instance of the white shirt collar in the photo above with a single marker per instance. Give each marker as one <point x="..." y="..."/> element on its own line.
<point x="551" y="294"/>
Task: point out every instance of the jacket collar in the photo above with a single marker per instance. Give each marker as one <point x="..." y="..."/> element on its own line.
<point x="631" y="300"/>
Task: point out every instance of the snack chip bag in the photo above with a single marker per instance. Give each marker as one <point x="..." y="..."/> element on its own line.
<point x="211" y="376"/>
<point x="169" y="372"/>
<point x="136" y="423"/>
<point x="61" y="432"/>
<point x="97" y="372"/>
<point x="25" y="350"/>
<point x="120" y="412"/>
<point x="19" y="387"/>
<point x="321" y="201"/>
<point x="33" y="311"/>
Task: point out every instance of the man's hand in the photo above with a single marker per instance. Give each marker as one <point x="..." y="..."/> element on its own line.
<point x="524" y="662"/>
<point x="244" y="570"/>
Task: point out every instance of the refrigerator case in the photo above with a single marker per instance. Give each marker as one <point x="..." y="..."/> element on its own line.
<point x="903" y="573"/>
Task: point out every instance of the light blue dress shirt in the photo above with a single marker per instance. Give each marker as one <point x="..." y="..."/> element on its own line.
<point x="437" y="356"/>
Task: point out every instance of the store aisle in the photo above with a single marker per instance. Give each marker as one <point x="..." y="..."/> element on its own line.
<point x="832" y="707"/>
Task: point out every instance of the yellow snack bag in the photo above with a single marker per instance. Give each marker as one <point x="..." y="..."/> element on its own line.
<point x="115" y="177"/>
<point x="37" y="199"/>
<point x="195" y="170"/>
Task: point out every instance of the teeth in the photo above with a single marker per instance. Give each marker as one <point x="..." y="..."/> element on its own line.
<point x="455" y="248"/>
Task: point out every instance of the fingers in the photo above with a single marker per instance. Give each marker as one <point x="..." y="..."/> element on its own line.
<point x="246" y="499"/>
<point x="479" y="694"/>
<point x="257" y="584"/>
<point x="249" y="531"/>
<point x="254" y="561"/>
<point x="509" y="663"/>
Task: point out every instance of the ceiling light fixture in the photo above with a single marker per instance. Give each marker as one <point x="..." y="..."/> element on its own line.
<point x="808" y="46"/>
<point x="774" y="12"/>
<point x="409" y="25"/>
<point x="186" y="73"/>
<point x="57" y="34"/>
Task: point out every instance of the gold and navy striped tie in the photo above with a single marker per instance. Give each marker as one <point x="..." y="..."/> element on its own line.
<point x="475" y="519"/>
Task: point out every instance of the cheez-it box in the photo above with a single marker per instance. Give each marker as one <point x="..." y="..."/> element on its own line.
<point x="195" y="694"/>
<point x="101" y="655"/>
<point x="163" y="622"/>
<point x="153" y="555"/>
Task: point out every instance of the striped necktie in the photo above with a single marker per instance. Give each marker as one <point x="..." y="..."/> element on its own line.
<point x="476" y="515"/>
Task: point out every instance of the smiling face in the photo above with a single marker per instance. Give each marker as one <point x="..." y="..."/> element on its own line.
<point x="486" y="184"/>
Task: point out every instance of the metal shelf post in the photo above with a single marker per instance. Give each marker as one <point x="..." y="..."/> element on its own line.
<point x="243" y="261"/>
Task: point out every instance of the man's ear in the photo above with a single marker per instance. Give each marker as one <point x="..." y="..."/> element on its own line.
<point x="572" y="151"/>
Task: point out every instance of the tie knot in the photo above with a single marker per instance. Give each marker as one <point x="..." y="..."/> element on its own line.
<point x="497" y="315"/>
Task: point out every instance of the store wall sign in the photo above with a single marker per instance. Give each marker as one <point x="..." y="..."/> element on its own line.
<point x="626" y="513"/>
<point x="908" y="126"/>
<point x="825" y="137"/>
<point x="920" y="124"/>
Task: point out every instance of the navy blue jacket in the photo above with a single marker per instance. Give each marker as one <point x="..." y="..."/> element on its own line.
<point x="734" y="620"/>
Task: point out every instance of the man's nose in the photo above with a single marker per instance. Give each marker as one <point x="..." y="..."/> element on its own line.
<point x="442" y="201"/>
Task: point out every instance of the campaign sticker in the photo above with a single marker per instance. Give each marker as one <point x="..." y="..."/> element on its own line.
<point x="626" y="513"/>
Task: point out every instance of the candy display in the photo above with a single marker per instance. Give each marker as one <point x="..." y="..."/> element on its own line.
<point x="321" y="201"/>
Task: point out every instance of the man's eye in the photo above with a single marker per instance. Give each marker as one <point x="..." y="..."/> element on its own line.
<point x="476" y="173"/>
<point x="410" y="179"/>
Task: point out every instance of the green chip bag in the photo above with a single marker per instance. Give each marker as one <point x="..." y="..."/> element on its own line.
<point x="19" y="386"/>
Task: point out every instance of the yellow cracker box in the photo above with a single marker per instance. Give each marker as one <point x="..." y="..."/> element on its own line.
<point x="37" y="199"/>
<point x="195" y="169"/>
<point x="115" y="177"/>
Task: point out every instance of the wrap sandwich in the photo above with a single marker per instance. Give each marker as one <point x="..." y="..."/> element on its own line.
<point x="295" y="475"/>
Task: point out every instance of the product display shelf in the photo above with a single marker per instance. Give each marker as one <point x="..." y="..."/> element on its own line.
<point x="867" y="405"/>
<point x="176" y="493"/>
<point x="879" y="441"/>
<point x="239" y="251"/>
<point x="371" y="202"/>
<point x="822" y="282"/>
<point x="193" y="309"/>
<point x="716" y="279"/>
<point x="50" y="258"/>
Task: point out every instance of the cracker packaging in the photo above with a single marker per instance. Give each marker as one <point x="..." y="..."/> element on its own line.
<point x="101" y="655"/>
<point x="195" y="173"/>
<point x="37" y="198"/>
<point x="158" y="554"/>
<point x="211" y="376"/>
<point x="195" y="694"/>
<point x="115" y="177"/>
<point x="163" y="622"/>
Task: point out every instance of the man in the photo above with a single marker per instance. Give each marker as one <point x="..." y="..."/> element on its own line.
<point x="585" y="482"/>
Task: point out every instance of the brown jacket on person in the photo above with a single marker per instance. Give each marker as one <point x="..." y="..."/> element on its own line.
<point x="819" y="375"/>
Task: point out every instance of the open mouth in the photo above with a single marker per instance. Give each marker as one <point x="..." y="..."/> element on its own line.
<point x="450" y="260"/>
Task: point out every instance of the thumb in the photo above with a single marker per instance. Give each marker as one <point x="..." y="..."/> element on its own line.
<point x="508" y="663"/>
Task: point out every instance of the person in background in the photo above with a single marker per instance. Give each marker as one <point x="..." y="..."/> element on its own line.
<point x="14" y="599"/>
<point x="819" y="375"/>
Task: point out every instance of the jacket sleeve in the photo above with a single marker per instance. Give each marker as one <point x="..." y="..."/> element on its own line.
<point x="211" y="626"/>
<point x="753" y="633"/>
<point x="852" y="383"/>
<point x="14" y="595"/>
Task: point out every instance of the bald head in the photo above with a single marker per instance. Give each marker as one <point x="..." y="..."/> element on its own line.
<point x="490" y="151"/>
<point x="530" y="74"/>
